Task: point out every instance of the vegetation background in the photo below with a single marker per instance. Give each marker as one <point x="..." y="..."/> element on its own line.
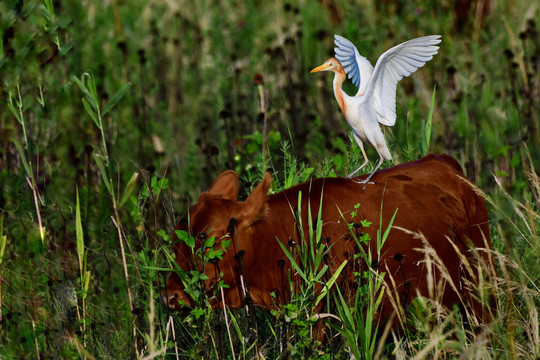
<point x="116" y="114"/>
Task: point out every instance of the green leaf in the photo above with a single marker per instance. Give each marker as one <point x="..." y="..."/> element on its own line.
<point x="92" y="100"/>
<point x="86" y="283"/>
<point x="222" y="284"/>
<point x="293" y="262"/>
<point x="380" y="242"/>
<point x="26" y="166"/>
<point x="79" y="233"/>
<point x="163" y="234"/>
<point x="338" y="161"/>
<point x="330" y="283"/>
<point x="426" y="127"/>
<point x="210" y="242"/>
<point x="516" y="160"/>
<point x="91" y="85"/>
<point x="236" y="326"/>
<point x="104" y="175"/>
<point x="185" y="237"/>
<point x="307" y="173"/>
<point x="91" y="113"/>
<point x="115" y="99"/>
<point x="129" y="188"/>
<point x="197" y="312"/>
<point x="156" y="268"/>
<point x="225" y="243"/>
<point x="14" y="111"/>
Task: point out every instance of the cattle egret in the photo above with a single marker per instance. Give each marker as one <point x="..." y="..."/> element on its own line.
<point x="375" y="101"/>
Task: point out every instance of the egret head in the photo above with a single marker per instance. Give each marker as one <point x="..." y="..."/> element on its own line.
<point x="331" y="64"/>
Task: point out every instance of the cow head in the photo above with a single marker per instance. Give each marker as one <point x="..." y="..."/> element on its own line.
<point x="216" y="214"/>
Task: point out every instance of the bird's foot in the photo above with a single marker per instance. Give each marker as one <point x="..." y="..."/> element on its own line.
<point x="365" y="182"/>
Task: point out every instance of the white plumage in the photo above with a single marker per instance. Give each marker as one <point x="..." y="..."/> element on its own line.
<point x="375" y="101"/>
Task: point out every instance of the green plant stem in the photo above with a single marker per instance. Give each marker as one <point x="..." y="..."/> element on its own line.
<point x="20" y="106"/>
<point x="104" y="143"/>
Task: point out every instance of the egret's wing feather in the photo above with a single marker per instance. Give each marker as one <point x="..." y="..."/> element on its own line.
<point x="401" y="60"/>
<point x="355" y="65"/>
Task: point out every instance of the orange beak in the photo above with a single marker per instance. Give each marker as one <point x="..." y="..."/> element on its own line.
<point x="323" y="67"/>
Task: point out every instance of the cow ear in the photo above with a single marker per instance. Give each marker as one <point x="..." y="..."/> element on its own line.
<point x="255" y="206"/>
<point x="225" y="186"/>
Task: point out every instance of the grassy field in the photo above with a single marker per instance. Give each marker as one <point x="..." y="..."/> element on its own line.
<point x="117" y="114"/>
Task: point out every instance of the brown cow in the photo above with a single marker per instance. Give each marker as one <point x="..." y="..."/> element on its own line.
<point x="432" y="198"/>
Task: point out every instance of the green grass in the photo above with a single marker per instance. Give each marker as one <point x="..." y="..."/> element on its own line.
<point x="116" y="115"/>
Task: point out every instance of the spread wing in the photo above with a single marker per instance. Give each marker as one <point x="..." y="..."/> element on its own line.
<point x="401" y="60"/>
<point x="357" y="67"/>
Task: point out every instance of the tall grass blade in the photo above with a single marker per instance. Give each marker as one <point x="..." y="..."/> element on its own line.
<point x="115" y="99"/>
<point x="79" y="234"/>
<point x="382" y="240"/>
<point x="293" y="261"/>
<point x="14" y="111"/>
<point x="104" y="175"/>
<point x="91" y="97"/>
<point x="91" y="112"/>
<point x="426" y="127"/>
<point x="21" y="152"/>
<point x="330" y="283"/>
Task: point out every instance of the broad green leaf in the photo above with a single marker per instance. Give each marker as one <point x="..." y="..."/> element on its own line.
<point x="210" y="242"/>
<point x="225" y="243"/>
<point x="185" y="237"/>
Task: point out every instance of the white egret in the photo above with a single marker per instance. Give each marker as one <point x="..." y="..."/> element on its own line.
<point x="375" y="102"/>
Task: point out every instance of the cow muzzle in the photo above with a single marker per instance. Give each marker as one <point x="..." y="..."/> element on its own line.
<point x="174" y="298"/>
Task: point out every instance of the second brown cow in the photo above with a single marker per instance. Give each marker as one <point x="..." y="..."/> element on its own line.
<point x="431" y="196"/>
